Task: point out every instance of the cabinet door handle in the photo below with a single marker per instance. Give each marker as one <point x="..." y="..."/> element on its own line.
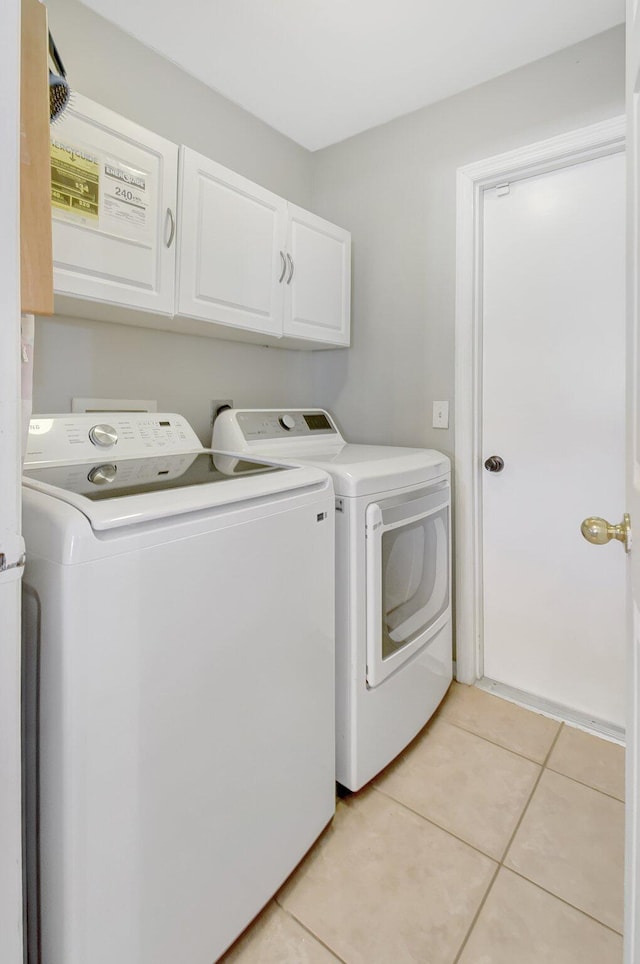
<point x="172" y="232"/>
<point x="284" y="267"/>
<point x="292" y="268"/>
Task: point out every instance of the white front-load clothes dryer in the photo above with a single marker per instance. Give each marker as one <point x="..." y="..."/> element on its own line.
<point x="393" y="576"/>
<point x="180" y="679"/>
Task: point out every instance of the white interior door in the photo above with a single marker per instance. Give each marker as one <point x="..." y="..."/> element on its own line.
<point x="10" y="791"/>
<point x="553" y="410"/>
<point x="632" y="505"/>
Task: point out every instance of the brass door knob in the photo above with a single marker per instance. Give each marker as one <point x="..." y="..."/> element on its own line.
<point x="598" y="531"/>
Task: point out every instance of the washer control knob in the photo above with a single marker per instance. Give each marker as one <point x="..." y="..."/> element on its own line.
<point x="103" y="435"/>
<point x="288" y="422"/>
<point x="103" y="474"/>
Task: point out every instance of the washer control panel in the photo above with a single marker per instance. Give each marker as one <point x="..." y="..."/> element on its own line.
<point x="103" y="435"/>
<point x="75" y="437"/>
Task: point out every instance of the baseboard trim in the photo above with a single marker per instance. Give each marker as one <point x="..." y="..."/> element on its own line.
<point x="556" y="711"/>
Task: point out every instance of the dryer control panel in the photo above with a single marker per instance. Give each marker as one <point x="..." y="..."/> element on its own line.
<point x="84" y="437"/>
<point x="245" y="427"/>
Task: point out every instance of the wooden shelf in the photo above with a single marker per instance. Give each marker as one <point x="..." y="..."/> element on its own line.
<point x="36" y="261"/>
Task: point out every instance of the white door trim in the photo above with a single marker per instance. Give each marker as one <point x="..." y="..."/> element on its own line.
<point x="11" y="921"/>
<point x="584" y="144"/>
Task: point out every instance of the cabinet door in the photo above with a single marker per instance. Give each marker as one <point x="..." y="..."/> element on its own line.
<point x="318" y="281"/>
<point x="231" y="247"/>
<point x="113" y="192"/>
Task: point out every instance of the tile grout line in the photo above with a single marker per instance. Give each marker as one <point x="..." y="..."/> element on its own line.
<point x="476" y="915"/>
<point x="562" y="900"/>
<point x="438" y="826"/>
<point x="544" y="763"/>
<point x="498" y="862"/>
<point x="310" y="933"/>
<point x="430" y="820"/>
<point x="543" y="767"/>
<point x="523" y="756"/>
<point x="474" y="847"/>
<point x="588" y="786"/>
<point x="509" y="749"/>
<point x="501" y="862"/>
<point x="481" y="853"/>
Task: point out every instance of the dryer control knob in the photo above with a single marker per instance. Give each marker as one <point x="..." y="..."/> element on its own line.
<point x="288" y="422"/>
<point x="103" y="474"/>
<point x="103" y="435"/>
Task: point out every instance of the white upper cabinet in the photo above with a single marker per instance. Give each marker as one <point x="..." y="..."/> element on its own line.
<point x="114" y="187"/>
<point x="191" y="246"/>
<point x="254" y="265"/>
<point x="318" y="281"/>
<point x="231" y="248"/>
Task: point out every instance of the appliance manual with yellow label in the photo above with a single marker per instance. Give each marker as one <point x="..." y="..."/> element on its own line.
<point x="100" y="192"/>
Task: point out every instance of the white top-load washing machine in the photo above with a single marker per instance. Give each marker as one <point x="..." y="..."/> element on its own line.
<point x="393" y="576"/>
<point x="179" y="651"/>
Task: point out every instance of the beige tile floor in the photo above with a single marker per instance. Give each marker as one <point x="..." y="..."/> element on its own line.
<point x="495" y="838"/>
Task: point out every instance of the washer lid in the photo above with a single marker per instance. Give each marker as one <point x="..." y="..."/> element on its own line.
<point x="371" y="469"/>
<point x="129" y="491"/>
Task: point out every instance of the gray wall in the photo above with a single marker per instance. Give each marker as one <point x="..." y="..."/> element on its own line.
<point x="394" y="187"/>
<point x="183" y="372"/>
<point x="112" y="68"/>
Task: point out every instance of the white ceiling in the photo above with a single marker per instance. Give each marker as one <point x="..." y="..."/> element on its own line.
<point x="322" y="70"/>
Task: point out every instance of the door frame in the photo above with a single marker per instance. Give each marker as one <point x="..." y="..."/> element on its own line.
<point x="587" y="143"/>
<point x="11" y="910"/>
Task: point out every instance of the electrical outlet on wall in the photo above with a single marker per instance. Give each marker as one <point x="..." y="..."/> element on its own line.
<point x="440" y="415"/>
<point x="219" y="405"/>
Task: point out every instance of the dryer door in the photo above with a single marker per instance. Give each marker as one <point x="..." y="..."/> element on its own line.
<point x="408" y="576"/>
